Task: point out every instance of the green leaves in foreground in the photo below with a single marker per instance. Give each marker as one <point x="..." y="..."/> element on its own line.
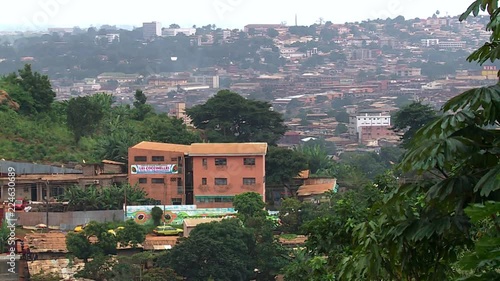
<point x="483" y="262"/>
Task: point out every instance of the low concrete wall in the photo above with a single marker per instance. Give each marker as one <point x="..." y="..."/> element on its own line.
<point x="68" y="220"/>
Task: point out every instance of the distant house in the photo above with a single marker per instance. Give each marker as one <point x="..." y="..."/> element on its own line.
<point x="38" y="182"/>
<point x="117" y="76"/>
<point x="314" y="189"/>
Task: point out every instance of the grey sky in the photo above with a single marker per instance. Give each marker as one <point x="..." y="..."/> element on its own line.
<point x="224" y="13"/>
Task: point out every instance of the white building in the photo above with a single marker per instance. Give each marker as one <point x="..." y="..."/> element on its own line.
<point x="429" y="42"/>
<point x="150" y="30"/>
<point x="174" y="31"/>
<point x="368" y="119"/>
<point x="452" y="44"/>
<point x="212" y="81"/>
<point x="111" y="37"/>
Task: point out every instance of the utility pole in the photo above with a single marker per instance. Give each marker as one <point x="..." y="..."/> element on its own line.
<point x="125" y="201"/>
<point x="165" y="187"/>
<point x="46" y="198"/>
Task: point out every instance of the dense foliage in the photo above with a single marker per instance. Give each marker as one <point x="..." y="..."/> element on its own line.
<point x="231" y="249"/>
<point x="104" y="198"/>
<point x="229" y="117"/>
<point x="46" y="130"/>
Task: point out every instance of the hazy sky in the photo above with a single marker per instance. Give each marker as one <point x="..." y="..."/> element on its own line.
<point x="31" y="14"/>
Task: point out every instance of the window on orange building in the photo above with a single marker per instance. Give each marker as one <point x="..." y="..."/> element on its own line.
<point x="158" y="180"/>
<point x="248" y="181"/>
<point x="158" y="158"/>
<point x="204" y="181"/>
<point x="143" y="180"/>
<point x="220" y="181"/>
<point x="140" y="158"/>
<point x="249" y="161"/>
<point x="220" y="161"/>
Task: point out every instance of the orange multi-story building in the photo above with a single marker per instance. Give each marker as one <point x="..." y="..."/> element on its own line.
<point x="208" y="175"/>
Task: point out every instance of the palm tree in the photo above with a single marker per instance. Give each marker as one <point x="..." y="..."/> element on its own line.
<point x="317" y="157"/>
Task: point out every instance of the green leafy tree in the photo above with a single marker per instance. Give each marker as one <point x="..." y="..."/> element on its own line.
<point x="141" y="109"/>
<point x="307" y="267"/>
<point x="83" y="117"/>
<point x="290" y="215"/>
<point x="456" y="156"/>
<point x="36" y="94"/>
<point x="11" y="86"/>
<point x="229" y="117"/>
<point x="282" y="166"/>
<point x="100" y="268"/>
<point x="161" y="274"/>
<point x="4" y="235"/>
<point x="79" y="245"/>
<point x="163" y="128"/>
<point x="105" y="198"/>
<point x="316" y="155"/>
<point x="482" y="263"/>
<point x="248" y="205"/>
<point x="43" y="276"/>
<point x="341" y="129"/>
<point x="342" y="117"/>
<point x="411" y="118"/>
<point x="269" y="255"/>
<point x="217" y="250"/>
<point x="271" y="32"/>
<point x="156" y="214"/>
<point x="132" y="234"/>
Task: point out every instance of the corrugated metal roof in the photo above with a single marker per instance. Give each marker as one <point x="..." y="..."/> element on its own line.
<point x="30" y="168"/>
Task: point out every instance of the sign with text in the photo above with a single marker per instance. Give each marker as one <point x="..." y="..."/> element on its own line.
<point x="154" y="169"/>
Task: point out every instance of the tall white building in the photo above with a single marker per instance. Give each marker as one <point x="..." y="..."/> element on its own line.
<point x="367" y="118"/>
<point x="372" y="119"/>
<point x="150" y="30"/>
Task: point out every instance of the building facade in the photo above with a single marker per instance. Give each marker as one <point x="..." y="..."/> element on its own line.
<point x="150" y="30"/>
<point x="207" y="175"/>
<point x="39" y="184"/>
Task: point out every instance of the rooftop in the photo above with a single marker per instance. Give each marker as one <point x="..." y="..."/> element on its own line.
<point x="159" y="242"/>
<point x="63" y="177"/>
<point x="315" y="189"/>
<point x="205" y="149"/>
<point x="195" y="222"/>
<point x="162" y="146"/>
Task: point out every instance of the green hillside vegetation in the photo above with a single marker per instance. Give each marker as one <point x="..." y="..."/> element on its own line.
<point x="87" y="128"/>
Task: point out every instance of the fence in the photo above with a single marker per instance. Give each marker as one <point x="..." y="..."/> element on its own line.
<point x="67" y="220"/>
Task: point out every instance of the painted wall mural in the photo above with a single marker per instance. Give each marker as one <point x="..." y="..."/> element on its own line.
<point x="175" y="214"/>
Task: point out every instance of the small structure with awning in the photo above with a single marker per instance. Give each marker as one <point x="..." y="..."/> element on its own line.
<point x="314" y="189"/>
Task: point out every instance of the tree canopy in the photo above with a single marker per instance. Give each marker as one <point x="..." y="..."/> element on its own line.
<point x="31" y="90"/>
<point x="229" y="117"/>
<point x="83" y="116"/>
<point x="411" y="118"/>
<point x="217" y="250"/>
<point x="283" y="165"/>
